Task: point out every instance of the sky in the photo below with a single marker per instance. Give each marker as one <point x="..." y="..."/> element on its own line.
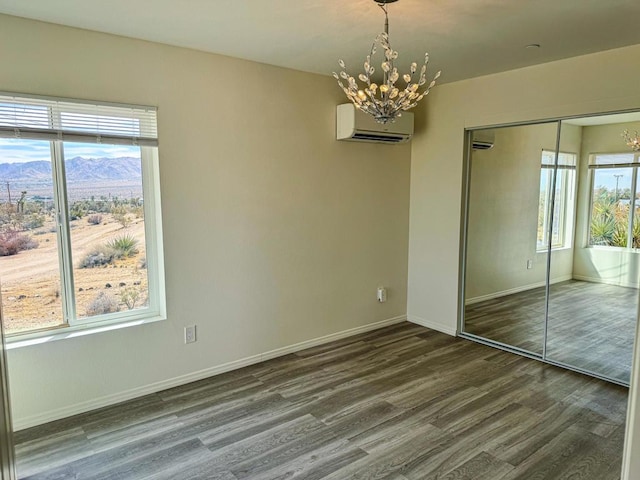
<point x="20" y="151"/>
<point x="606" y="177"/>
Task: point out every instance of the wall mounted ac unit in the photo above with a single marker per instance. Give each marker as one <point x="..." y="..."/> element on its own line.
<point x="356" y="126"/>
<point x="482" y="139"/>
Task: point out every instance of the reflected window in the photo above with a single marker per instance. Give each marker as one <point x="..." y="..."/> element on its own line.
<point x="555" y="214"/>
<point x="614" y="217"/>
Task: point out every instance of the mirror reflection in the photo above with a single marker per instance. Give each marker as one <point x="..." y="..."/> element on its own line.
<point x="552" y="241"/>
<point x="507" y="235"/>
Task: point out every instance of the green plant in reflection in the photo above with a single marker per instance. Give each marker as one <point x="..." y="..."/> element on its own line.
<point x="609" y="225"/>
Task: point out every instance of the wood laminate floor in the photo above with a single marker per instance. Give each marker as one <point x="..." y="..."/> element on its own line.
<point x="591" y="325"/>
<point x="400" y="403"/>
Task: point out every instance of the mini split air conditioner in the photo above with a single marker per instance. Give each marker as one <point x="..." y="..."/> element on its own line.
<point x="356" y="126"/>
<point x="482" y="139"/>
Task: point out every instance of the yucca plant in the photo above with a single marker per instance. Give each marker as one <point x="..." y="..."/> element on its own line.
<point x="125" y="244"/>
<point x="602" y="229"/>
<point x="619" y="237"/>
<point x="604" y="207"/>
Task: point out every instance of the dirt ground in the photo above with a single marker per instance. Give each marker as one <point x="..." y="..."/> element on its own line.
<point x="31" y="297"/>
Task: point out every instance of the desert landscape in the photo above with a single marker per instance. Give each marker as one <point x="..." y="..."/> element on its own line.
<point x="106" y="224"/>
<point x="31" y="289"/>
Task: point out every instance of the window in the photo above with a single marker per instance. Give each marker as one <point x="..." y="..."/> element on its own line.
<point x="614" y="218"/>
<point x="563" y="203"/>
<point x="80" y="232"/>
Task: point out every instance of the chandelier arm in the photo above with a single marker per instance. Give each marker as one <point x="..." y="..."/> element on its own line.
<point x="366" y="72"/>
<point x="375" y="107"/>
<point x="378" y="105"/>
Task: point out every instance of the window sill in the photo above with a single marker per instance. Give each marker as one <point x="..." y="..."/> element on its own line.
<point x="604" y="248"/>
<point x="554" y="249"/>
<point x="75" y="331"/>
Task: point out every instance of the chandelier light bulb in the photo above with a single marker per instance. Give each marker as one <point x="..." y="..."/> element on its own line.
<point x="632" y="141"/>
<point x="385" y="102"/>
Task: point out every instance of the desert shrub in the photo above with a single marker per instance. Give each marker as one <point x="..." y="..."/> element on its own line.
<point x="93" y="206"/>
<point x="121" y="215"/>
<point x="101" y="304"/>
<point x="32" y="221"/>
<point x="12" y="242"/>
<point x="76" y="211"/>
<point x="137" y="212"/>
<point x="95" y="219"/>
<point x="126" y="245"/>
<point x="99" y="256"/>
<point x="7" y="213"/>
<point x="130" y="297"/>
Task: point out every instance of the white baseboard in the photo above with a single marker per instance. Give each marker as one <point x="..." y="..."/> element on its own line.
<point x="279" y="352"/>
<point x="511" y="291"/>
<point x="82" y="407"/>
<point x="606" y="281"/>
<point x="433" y="325"/>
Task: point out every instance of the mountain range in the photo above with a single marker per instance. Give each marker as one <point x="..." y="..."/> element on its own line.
<point x="78" y="169"/>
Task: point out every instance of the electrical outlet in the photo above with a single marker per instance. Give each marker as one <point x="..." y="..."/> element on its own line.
<point x="382" y="294"/>
<point x="529" y="264"/>
<point x="190" y="334"/>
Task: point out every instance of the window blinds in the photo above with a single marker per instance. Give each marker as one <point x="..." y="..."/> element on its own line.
<point x="44" y="118"/>
<point x="565" y="160"/>
<point x="613" y="160"/>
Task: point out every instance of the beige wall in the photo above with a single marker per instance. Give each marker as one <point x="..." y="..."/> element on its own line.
<point x="274" y="232"/>
<point x="600" y="82"/>
<point x="614" y="266"/>
<point x="504" y="198"/>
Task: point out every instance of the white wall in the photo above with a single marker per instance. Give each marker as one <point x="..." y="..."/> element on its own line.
<point x="274" y="233"/>
<point x="609" y="265"/>
<point x="605" y="81"/>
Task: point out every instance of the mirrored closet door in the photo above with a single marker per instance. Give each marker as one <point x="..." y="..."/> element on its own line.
<point x="551" y="250"/>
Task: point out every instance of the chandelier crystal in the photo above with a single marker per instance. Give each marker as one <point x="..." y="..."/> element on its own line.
<point x="385" y="102"/>
<point x="632" y="141"/>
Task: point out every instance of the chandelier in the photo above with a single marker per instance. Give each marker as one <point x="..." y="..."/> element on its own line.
<point x="385" y="102"/>
<point x="633" y="141"/>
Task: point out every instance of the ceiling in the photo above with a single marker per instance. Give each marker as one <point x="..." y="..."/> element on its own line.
<point x="465" y="38"/>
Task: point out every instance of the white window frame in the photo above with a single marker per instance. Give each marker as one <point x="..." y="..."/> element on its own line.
<point x="635" y="190"/>
<point x="122" y="124"/>
<point x="567" y="199"/>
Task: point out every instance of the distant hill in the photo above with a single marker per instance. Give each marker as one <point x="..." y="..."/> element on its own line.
<point x="78" y="169"/>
